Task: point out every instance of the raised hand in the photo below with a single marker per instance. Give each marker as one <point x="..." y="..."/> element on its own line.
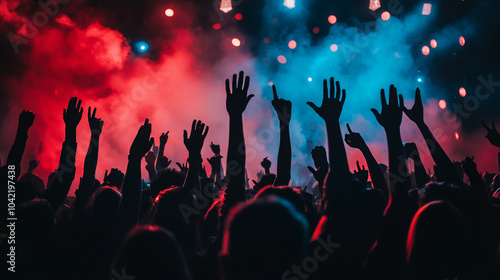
<point x="33" y="165"/>
<point x="163" y="162"/>
<point x="26" y="119"/>
<point x="183" y="167"/>
<point x="392" y="113"/>
<point x="95" y="124"/>
<point x="331" y="107"/>
<point x="416" y="113"/>
<point x="215" y="163"/>
<point x="493" y="136"/>
<point x="319" y="157"/>
<point x="236" y="96"/>
<point x="215" y="149"/>
<point x="282" y="107"/>
<point x="197" y="136"/>
<point x="354" y="139"/>
<point x="361" y="174"/>
<point x="142" y="142"/>
<point x="73" y="114"/>
<point x="319" y="174"/>
<point x="150" y="158"/>
<point x="164" y="138"/>
<point x="266" y="164"/>
<point x="115" y="177"/>
<point x="469" y="166"/>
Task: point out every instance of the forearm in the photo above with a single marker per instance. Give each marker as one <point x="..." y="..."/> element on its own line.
<point x="399" y="178"/>
<point x="421" y="176"/>
<point x="90" y="164"/>
<point x="161" y="152"/>
<point x="284" y="164"/>
<point x="17" y="150"/>
<point x="376" y="174"/>
<point x="131" y="193"/>
<point x="336" y="149"/>
<point x="192" y="177"/>
<point x="438" y="155"/>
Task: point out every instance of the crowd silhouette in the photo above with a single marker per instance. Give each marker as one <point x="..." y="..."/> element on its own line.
<point x="182" y="223"/>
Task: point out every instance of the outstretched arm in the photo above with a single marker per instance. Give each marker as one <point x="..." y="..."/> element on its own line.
<point x="330" y="111"/>
<point x="65" y="174"/>
<point x="194" y="144"/>
<point x="354" y="140"/>
<point x="321" y="164"/>
<point x="421" y="176"/>
<point x="283" y="109"/>
<point x="131" y="187"/>
<point x="237" y="99"/>
<point x="390" y="118"/>
<point x="15" y="156"/>
<point x="416" y="114"/>
<point x="161" y="152"/>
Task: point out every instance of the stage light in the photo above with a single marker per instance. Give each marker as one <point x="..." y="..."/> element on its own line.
<point x="334" y="47"/>
<point x="236" y="42"/>
<point x="226" y="6"/>
<point x="442" y="104"/>
<point x="310" y="79"/>
<point x="270" y="83"/>
<point x="434" y="43"/>
<point x="217" y="26"/>
<point x="238" y="16"/>
<point x="169" y="12"/>
<point x="142" y="47"/>
<point x="374" y="5"/>
<point x="281" y="59"/>
<point x="457" y="136"/>
<point x="332" y="19"/>
<point x="385" y="16"/>
<point x="426" y="10"/>
<point x="316" y="30"/>
<point x="462" y="41"/>
<point x="419" y="80"/>
<point x="462" y="92"/>
<point x="292" y="44"/>
<point x="290" y="4"/>
<point x="426" y="50"/>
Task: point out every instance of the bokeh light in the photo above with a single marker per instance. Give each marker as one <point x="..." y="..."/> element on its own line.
<point x="462" y="41"/>
<point x="385" y="16"/>
<point x="434" y="43"/>
<point x="334" y="47"/>
<point x="442" y="104"/>
<point x="281" y="59"/>
<point x="332" y="19"/>
<point x="169" y="12"/>
<point x="270" y="83"/>
<point x="316" y="30"/>
<point x="236" y="42"/>
<point x="457" y="136"/>
<point x="309" y="79"/>
<point x="142" y="46"/>
<point x="462" y="92"/>
<point x="426" y="50"/>
<point x="238" y="16"/>
<point x="290" y="4"/>
<point x="292" y="44"/>
<point x="216" y="26"/>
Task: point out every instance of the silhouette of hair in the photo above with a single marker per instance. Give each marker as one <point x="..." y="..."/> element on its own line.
<point x="150" y="252"/>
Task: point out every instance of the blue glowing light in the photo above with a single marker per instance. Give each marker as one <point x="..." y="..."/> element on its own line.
<point x="142" y="46"/>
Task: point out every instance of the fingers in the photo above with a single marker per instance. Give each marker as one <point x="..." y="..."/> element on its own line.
<point x="193" y="126"/>
<point x="485" y="126"/>
<point x="311" y="170"/>
<point x="337" y="85"/>
<point x="418" y="97"/>
<point x="275" y="94"/>
<point x="234" y="82"/>
<point x="315" y="108"/>
<point x="342" y="99"/>
<point x="185" y="134"/>
<point x="393" y="96"/>
<point x="249" y="97"/>
<point x="382" y="98"/>
<point x="376" y="113"/>
<point x="240" y="80"/>
<point x="325" y="89"/>
<point x="205" y="133"/>
<point x="247" y="83"/>
<point x="357" y="164"/>
<point x="228" y="89"/>
<point x="401" y="101"/>
<point x="178" y="164"/>
<point x="88" y="113"/>
<point x="349" y="128"/>
<point x="93" y="114"/>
